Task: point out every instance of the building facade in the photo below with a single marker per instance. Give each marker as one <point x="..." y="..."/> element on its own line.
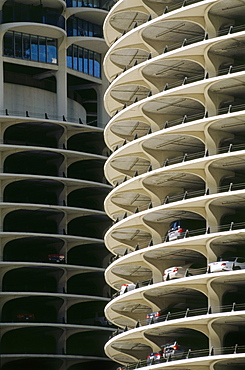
<point x="176" y="101"/>
<point x="52" y="185"/>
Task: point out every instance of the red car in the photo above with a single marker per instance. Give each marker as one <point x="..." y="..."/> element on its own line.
<point x="25" y="316"/>
<point x="56" y="258"/>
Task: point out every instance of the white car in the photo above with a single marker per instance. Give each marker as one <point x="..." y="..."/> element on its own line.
<point x="227" y="264"/>
<point x="174" y="350"/>
<point x="126" y="288"/>
<point x="176" y="272"/>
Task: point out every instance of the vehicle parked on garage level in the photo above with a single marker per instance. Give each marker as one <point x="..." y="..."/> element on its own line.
<point x="154" y="357"/>
<point x="173" y="349"/>
<point x="177" y="272"/>
<point x="127" y="288"/>
<point x="25" y="316"/>
<point x="56" y="258"/>
<point x="161" y="315"/>
<point x="227" y="264"/>
<point x="179" y="228"/>
<point x="156" y="316"/>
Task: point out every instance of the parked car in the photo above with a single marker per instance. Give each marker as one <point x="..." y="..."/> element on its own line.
<point x="154" y="357"/>
<point x="227" y="264"/>
<point x="179" y="228"/>
<point x="25" y="316"/>
<point x="190" y="269"/>
<point x="127" y="288"/>
<point x="176" y="272"/>
<point x="56" y="258"/>
<point x="173" y="349"/>
<point x="161" y="315"/>
<point x="156" y="316"/>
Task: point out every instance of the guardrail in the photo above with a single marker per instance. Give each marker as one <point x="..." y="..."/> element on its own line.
<point x="189" y="312"/>
<point x="46" y="116"/>
<point x="183" y="196"/>
<point x="167" y="9"/>
<point x="184" y="81"/>
<point x="189" y="354"/>
<point x="188" y="233"/>
<point x="183" y="43"/>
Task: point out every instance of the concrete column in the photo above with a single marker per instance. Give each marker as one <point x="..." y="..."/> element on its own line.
<point x="1" y="75"/>
<point x="61" y="81"/>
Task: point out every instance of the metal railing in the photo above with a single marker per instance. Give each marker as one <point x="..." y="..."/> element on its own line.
<point x="189" y="233"/>
<point x="167" y="9"/>
<point x="184" y="314"/>
<point x="185" y="195"/>
<point x="186" y="80"/>
<point x="183" y="43"/>
<point x="235" y="349"/>
<point x="45" y="116"/>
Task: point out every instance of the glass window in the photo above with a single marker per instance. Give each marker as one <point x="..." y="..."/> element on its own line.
<point x="8" y="44"/>
<point x="26" y="46"/>
<point x="17" y="45"/>
<point x="91" y="30"/>
<point x="69" y="57"/>
<point x="42" y="49"/>
<point x="81" y="29"/>
<point x="97" y="65"/>
<point x="34" y="48"/>
<point x="31" y="47"/>
<point x="51" y="51"/>
<point x="74" y="27"/>
<point x="80" y="60"/>
<point x="85" y="61"/>
<point x="91" y="62"/>
<point x="75" y="57"/>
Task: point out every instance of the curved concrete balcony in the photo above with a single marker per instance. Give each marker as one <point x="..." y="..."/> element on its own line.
<point x="164" y="72"/>
<point x="162" y="186"/>
<point x="149" y="228"/>
<point x="151" y="105"/>
<point x="164" y="33"/>
<point x="140" y="265"/>
<point x="45" y="30"/>
<point x="176" y="130"/>
<point x="144" y="42"/>
<point x="89" y="14"/>
<point x="120" y="21"/>
<point x="124" y="16"/>
<point x="186" y="110"/>
<point x="205" y="200"/>
<point x="70" y="153"/>
<point x="130" y="309"/>
<point x="92" y="43"/>
<point x="19" y="117"/>
<point x="71" y="269"/>
<point x="51" y="359"/>
<point x="72" y="298"/>
<point x="144" y="338"/>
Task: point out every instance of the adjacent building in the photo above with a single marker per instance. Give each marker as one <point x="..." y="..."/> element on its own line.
<point x="52" y="186"/>
<point x="177" y="133"/>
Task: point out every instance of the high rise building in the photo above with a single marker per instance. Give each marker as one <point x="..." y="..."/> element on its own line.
<point x="53" y="257"/>
<point x="176" y="102"/>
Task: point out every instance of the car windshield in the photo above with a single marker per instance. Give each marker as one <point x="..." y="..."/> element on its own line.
<point x="231" y="259"/>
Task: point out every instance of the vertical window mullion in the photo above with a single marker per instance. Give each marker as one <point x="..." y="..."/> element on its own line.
<point x="14" y="42"/>
<point x="38" y="48"/>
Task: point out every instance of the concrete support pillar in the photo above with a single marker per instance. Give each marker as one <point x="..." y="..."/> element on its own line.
<point x="1" y="75"/>
<point x="61" y="81"/>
